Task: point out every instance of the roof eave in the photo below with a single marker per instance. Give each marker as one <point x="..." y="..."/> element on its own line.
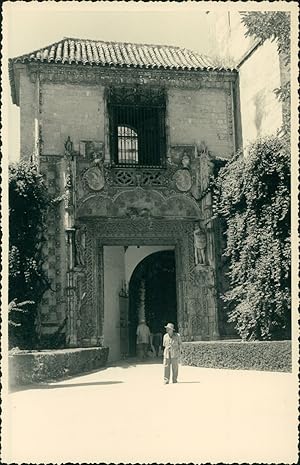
<point x="207" y="68"/>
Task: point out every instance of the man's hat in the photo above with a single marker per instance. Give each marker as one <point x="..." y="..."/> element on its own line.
<point x="170" y="326"/>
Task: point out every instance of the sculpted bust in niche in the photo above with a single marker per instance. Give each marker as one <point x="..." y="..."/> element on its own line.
<point x="185" y="161"/>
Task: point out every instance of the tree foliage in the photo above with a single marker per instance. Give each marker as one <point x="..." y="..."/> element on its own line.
<point x="28" y="202"/>
<point x="252" y="194"/>
<point x="269" y="25"/>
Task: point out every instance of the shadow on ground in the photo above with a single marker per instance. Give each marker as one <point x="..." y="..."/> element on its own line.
<point x="60" y="386"/>
<point x="134" y="361"/>
<point x="50" y="384"/>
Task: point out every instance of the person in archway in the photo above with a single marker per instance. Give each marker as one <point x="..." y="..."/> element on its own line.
<point x="142" y="339"/>
<point x="172" y="349"/>
<point x="157" y="342"/>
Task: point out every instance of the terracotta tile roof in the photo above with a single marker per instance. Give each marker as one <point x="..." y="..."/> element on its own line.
<point x="117" y="54"/>
<point x="97" y="52"/>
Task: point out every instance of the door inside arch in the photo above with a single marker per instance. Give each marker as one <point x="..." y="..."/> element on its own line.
<point x="152" y="294"/>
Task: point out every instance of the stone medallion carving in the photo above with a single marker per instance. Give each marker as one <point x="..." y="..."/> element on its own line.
<point x="183" y="180"/>
<point x="94" y="178"/>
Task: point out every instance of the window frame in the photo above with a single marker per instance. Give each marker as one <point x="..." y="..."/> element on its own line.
<point x="137" y="102"/>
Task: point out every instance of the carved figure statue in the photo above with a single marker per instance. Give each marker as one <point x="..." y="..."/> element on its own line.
<point x="185" y="161"/>
<point x="200" y="243"/>
<point x="203" y="148"/>
<point x="133" y="212"/>
<point x="79" y="246"/>
<point x="94" y="152"/>
<point x="69" y="146"/>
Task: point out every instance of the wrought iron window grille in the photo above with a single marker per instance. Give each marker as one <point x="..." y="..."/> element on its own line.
<point x="137" y="127"/>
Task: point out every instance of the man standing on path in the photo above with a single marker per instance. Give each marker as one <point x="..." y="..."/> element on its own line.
<point x="172" y="349"/>
<point x="142" y="339"/>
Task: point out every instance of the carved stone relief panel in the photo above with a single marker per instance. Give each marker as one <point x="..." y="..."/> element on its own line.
<point x="88" y="329"/>
<point x="175" y="206"/>
<point x="183" y="180"/>
<point x="94" y="178"/>
<point x="92" y="151"/>
<point x="180" y="154"/>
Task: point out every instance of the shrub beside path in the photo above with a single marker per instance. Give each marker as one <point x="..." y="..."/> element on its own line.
<point x="124" y="413"/>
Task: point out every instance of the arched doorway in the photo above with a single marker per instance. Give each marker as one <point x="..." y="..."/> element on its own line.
<point x="153" y="287"/>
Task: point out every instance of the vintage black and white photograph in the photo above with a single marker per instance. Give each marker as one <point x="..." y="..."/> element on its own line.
<point x="149" y="215"/>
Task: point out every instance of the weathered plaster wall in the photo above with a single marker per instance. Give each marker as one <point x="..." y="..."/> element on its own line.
<point x="114" y="274"/>
<point x="259" y="75"/>
<point x="261" y="112"/>
<point x="71" y="110"/>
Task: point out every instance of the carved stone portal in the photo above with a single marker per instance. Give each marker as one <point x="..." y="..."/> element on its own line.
<point x="196" y="306"/>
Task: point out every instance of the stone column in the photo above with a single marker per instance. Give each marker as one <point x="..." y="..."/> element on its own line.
<point x="212" y="308"/>
<point x="142" y="301"/>
<point x="71" y="298"/>
<point x="69" y="179"/>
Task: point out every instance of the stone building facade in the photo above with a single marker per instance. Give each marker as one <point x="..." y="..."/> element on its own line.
<point x="127" y="137"/>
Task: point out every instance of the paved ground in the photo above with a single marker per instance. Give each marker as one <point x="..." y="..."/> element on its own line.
<point x="125" y="414"/>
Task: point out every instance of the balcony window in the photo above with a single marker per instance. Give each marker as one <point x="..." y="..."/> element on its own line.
<point x="137" y="128"/>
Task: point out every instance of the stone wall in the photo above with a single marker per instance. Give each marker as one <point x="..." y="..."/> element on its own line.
<point x="201" y="115"/>
<point x="71" y="110"/>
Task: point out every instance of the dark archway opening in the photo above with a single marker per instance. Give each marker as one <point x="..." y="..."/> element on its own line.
<point x="158" y="272"/>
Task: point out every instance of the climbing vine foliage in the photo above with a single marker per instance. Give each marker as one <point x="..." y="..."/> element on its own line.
<point x="252" y="195"/>
<point x="28" y="202"/>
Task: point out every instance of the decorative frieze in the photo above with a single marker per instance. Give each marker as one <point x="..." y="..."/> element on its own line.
<point x="105" y="76"/>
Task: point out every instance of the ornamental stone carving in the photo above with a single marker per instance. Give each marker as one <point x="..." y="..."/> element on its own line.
<point x="186" y="161"/>
<point x="183" y="180"/>
<point x="175" y="206"/>
<point x="94" y="178"/>
<point x="80" y="245"/>
<point x="92" y="151"/>
<point x="105" y="77"/>
<point x="133" y="212"/>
